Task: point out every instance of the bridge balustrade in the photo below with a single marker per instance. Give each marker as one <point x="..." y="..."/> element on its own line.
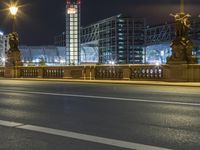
<point x="175" y="72"/>
<point x="108" y="72"/>
<point x="29" y="72"/>
<point x="2" y="71"/>
<point x="53" y="72"/>
<point x="146" y="72"/>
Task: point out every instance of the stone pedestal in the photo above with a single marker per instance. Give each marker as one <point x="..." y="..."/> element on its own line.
<point x="182" y="52"/>
<point x="13" y="60"/>
<point x="13" y="57"/>
<point x="126" y="73"/>
<point x="9" y="72"/>
<point x="182" y="72"/>
<point x="176" y="72"/>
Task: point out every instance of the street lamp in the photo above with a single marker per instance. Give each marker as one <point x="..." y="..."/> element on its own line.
<point x="13" y="11"/>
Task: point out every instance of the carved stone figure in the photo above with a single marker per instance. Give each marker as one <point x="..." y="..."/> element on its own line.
<point x="13" y="41"/>
<point x="182" y="45"/>
<point x="13" y="54"/>
<point x="182" y="24"/>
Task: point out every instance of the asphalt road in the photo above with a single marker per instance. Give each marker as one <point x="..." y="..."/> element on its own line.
<point x="81" y="116"/>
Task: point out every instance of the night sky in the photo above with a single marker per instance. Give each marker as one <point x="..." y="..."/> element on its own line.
<point x="40" y="20"/>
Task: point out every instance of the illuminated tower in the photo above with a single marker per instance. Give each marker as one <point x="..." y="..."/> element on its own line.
<point x="73" y="9"/>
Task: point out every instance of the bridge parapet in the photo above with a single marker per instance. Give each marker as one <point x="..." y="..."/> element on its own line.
<point x="2" y="70"/>
<point x="175" y="72"/>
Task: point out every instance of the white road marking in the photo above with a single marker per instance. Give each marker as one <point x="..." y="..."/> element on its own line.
<point x="106" y="98"/>
<point x="79" y="136"/>
<point x="9" y="123"/>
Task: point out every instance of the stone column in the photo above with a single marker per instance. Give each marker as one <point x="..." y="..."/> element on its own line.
<point x="126" y="73"/>
<point x="89" y="72"/>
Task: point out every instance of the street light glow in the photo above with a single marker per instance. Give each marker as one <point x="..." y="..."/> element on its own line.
<point x="13" y="10"/>
<point x="4" y="59"/>
<point x="157" y="63"/>
<point x="62" y="61"/>
<point x="112" y="62"/>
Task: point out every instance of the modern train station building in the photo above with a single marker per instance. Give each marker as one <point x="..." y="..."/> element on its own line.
<point x="120" y="39"/>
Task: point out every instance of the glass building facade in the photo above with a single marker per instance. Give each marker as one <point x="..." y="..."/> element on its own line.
<point x="4" y="47"/>
<point x="127" y="40"/>
<point x="120" y="39"/>
<point x="73" y="8"/>
<point x="55" y="55"/>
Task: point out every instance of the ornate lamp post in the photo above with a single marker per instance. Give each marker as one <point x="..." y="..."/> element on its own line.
<point x="13" y="11"/>
<point x="13" y="54"/>
<point x="182" y="6"/>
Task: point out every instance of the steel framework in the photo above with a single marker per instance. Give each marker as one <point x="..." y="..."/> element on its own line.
<point x="160" y="34"/>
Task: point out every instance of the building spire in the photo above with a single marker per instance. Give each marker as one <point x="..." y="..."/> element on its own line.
<point x="182" y="6"/>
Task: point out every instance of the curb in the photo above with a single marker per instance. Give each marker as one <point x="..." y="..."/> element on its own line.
<point x="153" y="83"/>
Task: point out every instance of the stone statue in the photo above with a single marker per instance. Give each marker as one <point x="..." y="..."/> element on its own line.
<point x="182" y="24"/>
<point x="13" y="54"/>
<point x="182" y="45"/>
<point x="13" y="41"/>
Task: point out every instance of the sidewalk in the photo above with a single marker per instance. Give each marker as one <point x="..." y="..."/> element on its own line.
<point x="162" y="83"/>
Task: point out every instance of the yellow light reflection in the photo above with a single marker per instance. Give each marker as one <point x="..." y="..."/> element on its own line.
<point x="13" y="10"/>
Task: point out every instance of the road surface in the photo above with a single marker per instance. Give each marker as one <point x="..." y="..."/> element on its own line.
<point x="44" y="115"/>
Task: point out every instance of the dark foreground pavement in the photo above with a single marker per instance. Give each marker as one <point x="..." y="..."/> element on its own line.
<point x="161" y="116"/>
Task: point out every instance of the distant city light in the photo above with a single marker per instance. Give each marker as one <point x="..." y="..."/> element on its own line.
<point x="112" y="62"/>
<point x="72" y="11"/>
<point x="56" y="60"/>
<point x="162" y="53"/>
<point x="36" y="60"/>
<point x="1" y="33"/>
<point x="157" y="63"/>
<point x="3" y="60"/>
<point x="62" y="61"/>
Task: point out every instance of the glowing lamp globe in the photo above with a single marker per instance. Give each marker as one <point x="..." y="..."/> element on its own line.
<point x="13" y="10"/>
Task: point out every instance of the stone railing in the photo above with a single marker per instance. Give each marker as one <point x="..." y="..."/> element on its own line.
<point x="146" y="72"/>
<point x="29" y="72"/>
<point x="41" y="72"/>
<point x="51" y="72"/>
<point x="109" y="72"/>
<point x="129" y="72"/>
<point x="2" y="70"/>
<point x="98" y="72"/>
<point x="176" y="72"/>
